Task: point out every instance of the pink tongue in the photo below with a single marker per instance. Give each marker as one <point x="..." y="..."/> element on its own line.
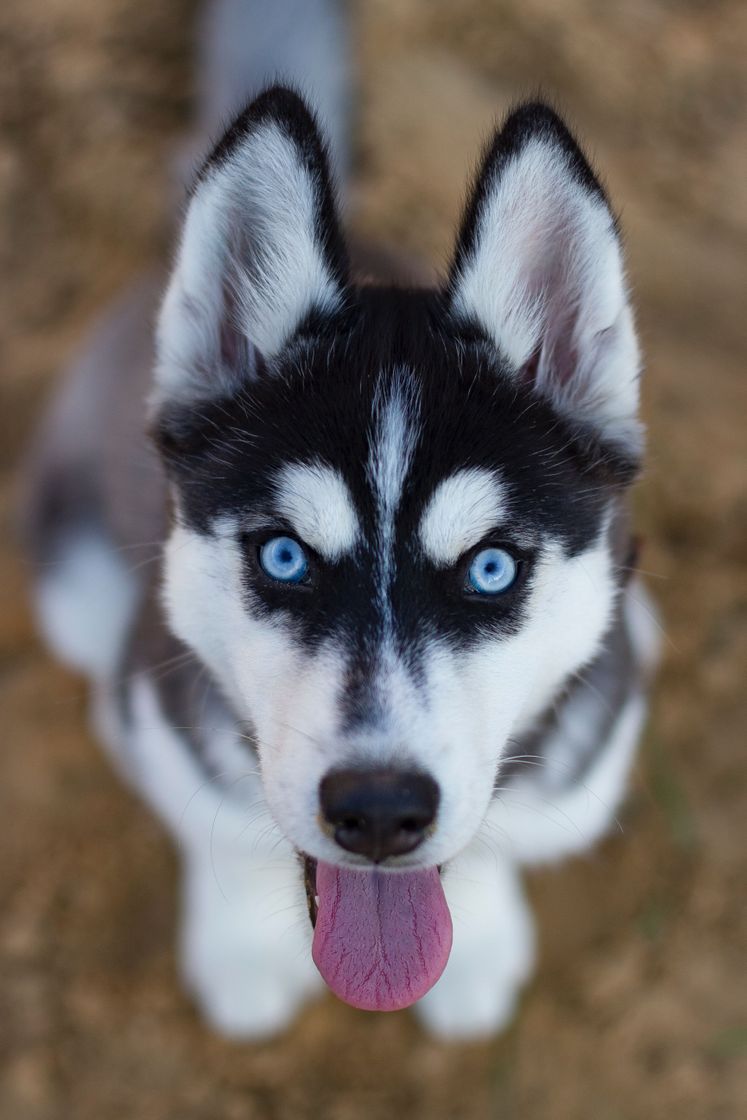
<point x="381" y="939"/>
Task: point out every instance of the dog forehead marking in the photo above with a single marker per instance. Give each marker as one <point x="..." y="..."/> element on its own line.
<point x="393" y="441"/>
<point x="317" y="502"/>
<point x="461" y="510"/>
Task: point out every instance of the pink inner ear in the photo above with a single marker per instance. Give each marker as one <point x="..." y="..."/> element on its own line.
<point x="558" y="358"/>
<point x="554" y="289"/>
<point x="239" y="359"/>
<point x="528" y="372"/>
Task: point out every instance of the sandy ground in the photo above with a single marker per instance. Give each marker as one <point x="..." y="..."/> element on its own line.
<point x="638" y="1010"/>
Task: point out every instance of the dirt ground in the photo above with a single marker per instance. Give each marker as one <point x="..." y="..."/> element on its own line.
<point x="639" y="1007"/>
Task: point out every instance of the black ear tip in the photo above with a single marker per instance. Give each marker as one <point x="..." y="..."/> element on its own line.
<point x="535" y="120"/>
<point x="538" y="120"/>
<point x="280" y="105"/>
<point x="535" y="114"/>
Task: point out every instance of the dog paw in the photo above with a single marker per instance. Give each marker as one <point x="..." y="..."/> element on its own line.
<point x="492" y="955"/>
<point x="246" y="1000"/>
<point x="247" y="960"/>
<point x="466" y="1005"/>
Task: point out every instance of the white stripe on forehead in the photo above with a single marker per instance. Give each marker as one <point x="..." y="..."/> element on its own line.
<point x="393" y="442"/>
<point x="317" y="502"/>
<point x="462" y="509"/>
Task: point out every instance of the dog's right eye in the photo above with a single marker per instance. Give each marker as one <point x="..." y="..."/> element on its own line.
<point x="283" y="559"/>
<point x="492" y="571"/>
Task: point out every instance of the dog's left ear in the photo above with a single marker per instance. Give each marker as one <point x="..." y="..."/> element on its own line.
<point x="538" y="269"/>
<point x="261" y="251"/>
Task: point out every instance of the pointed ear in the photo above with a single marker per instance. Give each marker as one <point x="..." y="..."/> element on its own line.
<point x="260" y="251"/>
<point x="538" y="268"/>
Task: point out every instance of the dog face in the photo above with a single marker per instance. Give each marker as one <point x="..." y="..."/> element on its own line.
<point x="393" y="509"/>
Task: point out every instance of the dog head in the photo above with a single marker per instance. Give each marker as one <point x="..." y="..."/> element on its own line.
<point x="393" y="508"/>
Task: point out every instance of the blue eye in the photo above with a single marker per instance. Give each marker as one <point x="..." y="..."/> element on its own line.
<point x="492" y="571"/>
<point x="283" y="559"/>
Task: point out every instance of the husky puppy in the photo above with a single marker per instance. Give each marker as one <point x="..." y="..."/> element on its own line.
<point x="360" y="621"/>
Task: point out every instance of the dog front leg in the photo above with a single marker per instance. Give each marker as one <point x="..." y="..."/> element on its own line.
<point x="245" y="934"/>
<point x="245" y="941"/>
<point x="493" y="949"/>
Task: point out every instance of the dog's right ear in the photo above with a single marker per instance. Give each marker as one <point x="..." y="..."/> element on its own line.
<point x="261" y="250"/>
<point x="538" y="271"/>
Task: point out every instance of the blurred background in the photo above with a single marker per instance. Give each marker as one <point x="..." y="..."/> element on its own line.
<point x="638" y="1009"/>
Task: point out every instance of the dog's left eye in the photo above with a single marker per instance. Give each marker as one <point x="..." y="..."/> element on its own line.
<point x="492" y="571"/>
<point x="283" y="559"/>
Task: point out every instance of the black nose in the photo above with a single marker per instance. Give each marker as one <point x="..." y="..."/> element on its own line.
<point x="378" y="813"/>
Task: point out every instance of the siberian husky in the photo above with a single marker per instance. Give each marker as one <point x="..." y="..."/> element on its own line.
<point x="360" y="619"/>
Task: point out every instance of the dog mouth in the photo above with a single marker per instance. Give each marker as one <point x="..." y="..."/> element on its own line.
<point x="309" y="882"/>
<point x="381" y="937"/>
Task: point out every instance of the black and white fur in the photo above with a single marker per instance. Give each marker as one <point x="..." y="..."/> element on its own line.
<point x="392" y="430"/>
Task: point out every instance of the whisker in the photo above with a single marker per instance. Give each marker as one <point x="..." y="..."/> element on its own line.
<point x="212" y="835"/>
<point x="536" y="809"/>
